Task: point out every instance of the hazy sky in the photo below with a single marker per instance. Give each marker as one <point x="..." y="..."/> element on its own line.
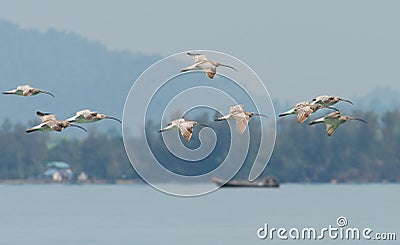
<point x="298" y="48"/>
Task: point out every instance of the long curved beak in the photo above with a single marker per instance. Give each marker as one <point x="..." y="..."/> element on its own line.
<point x="77" y="126"/>
<point x="233" y="68"/>
<point x="260" y="115"/>
<point x="47" y="92"/>
<point x="113" y="118"/>
<point x="358" y="119"/>
<point x="348" y="101"/>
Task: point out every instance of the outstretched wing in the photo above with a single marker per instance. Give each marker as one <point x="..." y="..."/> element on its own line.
<point x="303" y="113"/>
<point x="23" y="87"/>
<point x="236" y="108"/>
<point x="191" y="68"/>
<point x="186" y="130"/>
<point x="74" y="118"/>
<point x="319" y="99"/>
<point x="333" y="115"/>
<point x="241" y="124"/>
<point x="82" y="112"/>
<point x="56" y="126"/>
<point x="46" y="116"/>
<point x="41" y="127"/>
<point x="83" y="116"/>
<point x="331" y="128"/>
<point x="237" y="112"/>
<point x="197" y="57"/>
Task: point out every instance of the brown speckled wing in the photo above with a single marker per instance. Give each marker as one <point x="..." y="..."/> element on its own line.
<point x="186" y="132"/>
<point x="242" y="125"/>
<point x="331" y="129"/>
<point x="303" y="114"/>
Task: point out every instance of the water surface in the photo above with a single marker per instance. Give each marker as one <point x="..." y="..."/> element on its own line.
<point x="137" y="214"/>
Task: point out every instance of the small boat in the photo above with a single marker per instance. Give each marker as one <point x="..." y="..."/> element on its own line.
<point x="267" y="182"/>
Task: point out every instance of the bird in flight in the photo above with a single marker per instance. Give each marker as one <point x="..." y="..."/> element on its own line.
<point x="50" y="123"/>
<point x="27" y="90"/>
<point x="184" y="126"/>
<point x="88" y="116"/>
<point x="304" y="109"/>
<point x="202" y="63"/>
<point x="333" y="120"/>
<point x="242" y="117"/>
<point x="327" y="100"/>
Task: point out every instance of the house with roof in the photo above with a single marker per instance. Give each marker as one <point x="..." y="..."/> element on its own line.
<point x="58" y="171"/>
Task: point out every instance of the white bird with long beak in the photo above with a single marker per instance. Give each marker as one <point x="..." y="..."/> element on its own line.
<point x="242" y="117"/>
<point x="202" y="63"/>
<point x="50" y="123"/>
<point x="303" y="110"/>
<point x="88" y="116"/>
<point x="327" y="100"/>
<point x="27" y="90"/>
<point x="184" y="126"/>
<point x="333" y="120"/>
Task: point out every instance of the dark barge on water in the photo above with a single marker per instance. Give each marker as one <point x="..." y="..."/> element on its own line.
<point x="267" y="182"/>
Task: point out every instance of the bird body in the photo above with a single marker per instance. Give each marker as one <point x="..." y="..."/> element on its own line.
<point x="27" y="90"/>
<point x="202" y="63"/>
<point x="333" y="120"/>
<point x="184" y="126"/>
<point x="303" y="110"/>
<point x="242" y="117"/>
<point x="50" y="123"/>
<point x="88" y="116"/>
<point x="327" y="100"/>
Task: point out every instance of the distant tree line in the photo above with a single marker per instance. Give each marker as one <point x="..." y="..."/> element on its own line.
<point x="24" y="156"/>
<point x="355" y="153"/>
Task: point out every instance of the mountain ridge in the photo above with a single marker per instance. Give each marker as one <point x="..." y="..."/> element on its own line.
<point x="81" y="73"/>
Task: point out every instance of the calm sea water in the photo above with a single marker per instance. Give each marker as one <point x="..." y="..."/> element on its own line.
<point x="138" y="214"/>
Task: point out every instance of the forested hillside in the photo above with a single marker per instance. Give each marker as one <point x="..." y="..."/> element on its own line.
<point x="303" y="153"/>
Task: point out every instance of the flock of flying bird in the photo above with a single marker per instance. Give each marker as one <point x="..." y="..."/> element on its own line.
<point x="332" y="120"/>
<point x="49" y="122"/>
<point x="303" y="110"/>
